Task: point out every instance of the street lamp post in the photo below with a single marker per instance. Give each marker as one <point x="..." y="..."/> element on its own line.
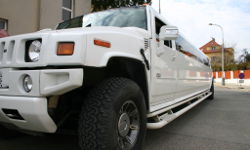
<point x="159" y="6"/>
<point x="222" y="53"/>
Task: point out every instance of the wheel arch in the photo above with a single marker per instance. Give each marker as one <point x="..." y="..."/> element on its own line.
<point x="132" y="69"/>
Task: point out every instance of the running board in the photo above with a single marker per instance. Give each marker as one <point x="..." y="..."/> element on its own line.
<point x="169" y="116"/>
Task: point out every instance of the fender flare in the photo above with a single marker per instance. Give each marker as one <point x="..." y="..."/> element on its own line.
<point x="108" y="56"/>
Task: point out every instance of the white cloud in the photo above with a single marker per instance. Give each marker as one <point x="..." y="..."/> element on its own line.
<point x="193" y="16"/>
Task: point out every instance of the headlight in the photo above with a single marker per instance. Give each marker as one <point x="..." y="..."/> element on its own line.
<point x="34" y="50"/>
<point x="27" y="83"/>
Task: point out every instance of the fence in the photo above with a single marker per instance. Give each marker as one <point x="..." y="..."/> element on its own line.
<point x="232" y="77"/>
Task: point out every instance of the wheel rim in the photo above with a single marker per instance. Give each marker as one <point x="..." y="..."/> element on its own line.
<point x="128" y="125"/>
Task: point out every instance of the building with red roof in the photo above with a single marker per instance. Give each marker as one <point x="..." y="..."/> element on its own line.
<point x="213" y="50"/>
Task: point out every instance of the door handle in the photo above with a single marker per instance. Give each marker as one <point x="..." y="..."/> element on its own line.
<point x="174" y="57"/>
<point x="158" y="75"/>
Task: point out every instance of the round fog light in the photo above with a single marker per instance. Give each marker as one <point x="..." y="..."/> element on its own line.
<point x="27" y="83"/>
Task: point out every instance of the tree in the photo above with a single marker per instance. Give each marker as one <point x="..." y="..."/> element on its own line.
<point x="243" y="63"/>
<point x="231" y="67"/>
<point x="98" y="5"/>
<point x="216" y="67"/>
<point x="245" y="56"/>
<point x="244" y="60"/>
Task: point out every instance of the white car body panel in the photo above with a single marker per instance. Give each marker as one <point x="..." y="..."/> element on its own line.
<point x="172" y="77"/>
<point x="180" y="75"/>
<point x="33" y="110"/>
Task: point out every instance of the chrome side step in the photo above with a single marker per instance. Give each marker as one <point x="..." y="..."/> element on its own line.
<point x="168" y="115"/>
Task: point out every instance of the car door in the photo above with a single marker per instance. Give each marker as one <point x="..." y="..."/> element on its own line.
<point x="164" y="69"/>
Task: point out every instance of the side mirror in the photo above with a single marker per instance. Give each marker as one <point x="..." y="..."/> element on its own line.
<point x="168" y="33"/>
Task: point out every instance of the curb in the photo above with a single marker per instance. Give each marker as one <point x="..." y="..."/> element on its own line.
<point x="236" y="87"/>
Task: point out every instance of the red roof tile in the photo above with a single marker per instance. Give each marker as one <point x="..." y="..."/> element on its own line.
<point x="211" y="43"/>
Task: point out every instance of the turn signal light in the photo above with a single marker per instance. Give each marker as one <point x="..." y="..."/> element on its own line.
<point x="65" y="48"/>
<point x="102" y="43"/>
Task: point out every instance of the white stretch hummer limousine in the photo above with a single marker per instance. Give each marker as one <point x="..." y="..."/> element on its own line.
<point x="107" y="75"/>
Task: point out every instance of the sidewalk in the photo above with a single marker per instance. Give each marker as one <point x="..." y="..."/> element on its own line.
<point x="234" y="86"/>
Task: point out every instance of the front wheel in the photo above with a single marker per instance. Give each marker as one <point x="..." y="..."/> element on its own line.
<point x="113" y="117"/>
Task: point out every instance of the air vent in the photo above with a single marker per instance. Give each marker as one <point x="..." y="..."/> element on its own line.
<point x="13" y="114"/>
<point x="10" y="51"/>
<point x="146" y="44"/>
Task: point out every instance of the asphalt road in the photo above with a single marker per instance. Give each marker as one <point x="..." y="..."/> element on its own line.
<point x="222" y="124"/>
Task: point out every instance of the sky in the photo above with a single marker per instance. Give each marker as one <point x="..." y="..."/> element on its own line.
<point x="193" y="16"/>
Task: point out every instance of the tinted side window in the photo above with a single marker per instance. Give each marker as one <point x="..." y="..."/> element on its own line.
<point x="184" y="47"/>
<point x="206" y="62"/>
<point x="189" y="50"/>
<point x="168" y="43"/>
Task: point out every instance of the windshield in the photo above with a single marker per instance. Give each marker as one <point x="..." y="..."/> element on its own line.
<point x="125" y="17"/>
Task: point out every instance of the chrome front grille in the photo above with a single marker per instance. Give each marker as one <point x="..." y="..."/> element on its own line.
<point x="13" y="50"/>
<point x="6" y="51"/>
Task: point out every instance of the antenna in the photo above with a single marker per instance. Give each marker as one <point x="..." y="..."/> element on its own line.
<point x="159" y="6"/>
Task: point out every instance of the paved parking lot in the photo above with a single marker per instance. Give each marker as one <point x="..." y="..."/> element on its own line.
<point x="222" y="124"/>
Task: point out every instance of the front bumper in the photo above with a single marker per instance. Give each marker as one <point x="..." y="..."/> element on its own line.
<point x="33" y="111"/>
<point x="32" y="106"/>
<point x="45" y="82"/>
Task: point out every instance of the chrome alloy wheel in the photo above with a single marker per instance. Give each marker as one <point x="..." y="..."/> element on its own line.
<point x="128" y="125"/>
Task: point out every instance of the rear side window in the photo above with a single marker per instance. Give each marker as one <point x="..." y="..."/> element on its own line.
<point x="183" y="46"/>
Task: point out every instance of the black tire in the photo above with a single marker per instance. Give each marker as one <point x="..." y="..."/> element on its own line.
<point x="211" y="97"/>
<point x="103" y="109"/>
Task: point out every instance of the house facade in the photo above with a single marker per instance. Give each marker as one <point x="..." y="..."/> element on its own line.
<point x="24" y="16"/>
<point x="214" y="51"/>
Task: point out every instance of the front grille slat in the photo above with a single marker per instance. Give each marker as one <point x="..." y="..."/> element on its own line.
<point x="2" y="44"/>
<point x="10" y="51"/>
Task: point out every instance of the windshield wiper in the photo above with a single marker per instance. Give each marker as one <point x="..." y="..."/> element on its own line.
<point x="89" y="25"/>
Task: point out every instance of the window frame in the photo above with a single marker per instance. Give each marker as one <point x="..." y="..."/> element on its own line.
<point x="72" y="10"/>
<point x="5" y="23"/>
<point x="157" y="22"/>
<point x="168" y="43"/>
